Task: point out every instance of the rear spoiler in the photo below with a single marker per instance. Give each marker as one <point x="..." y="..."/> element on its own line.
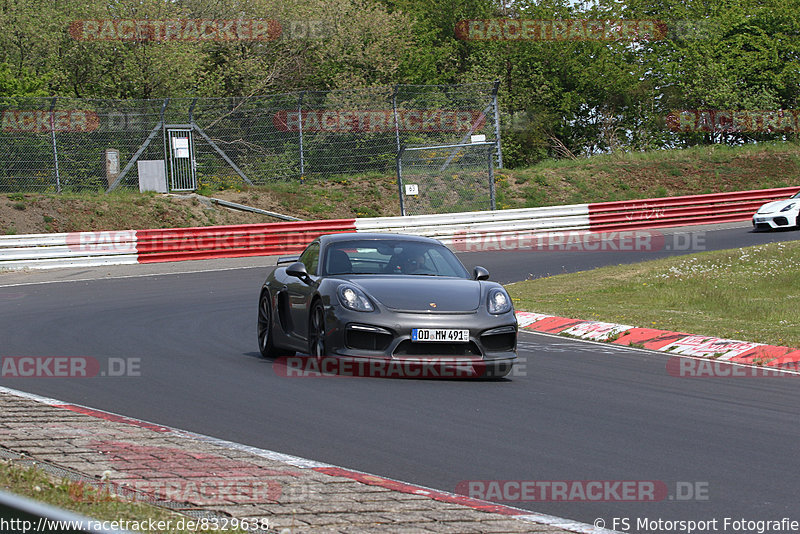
<point x="282" y="260"/>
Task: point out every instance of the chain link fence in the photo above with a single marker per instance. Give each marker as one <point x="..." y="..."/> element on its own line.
<point x="68" y="144"/>
<point x="447" y="178"/>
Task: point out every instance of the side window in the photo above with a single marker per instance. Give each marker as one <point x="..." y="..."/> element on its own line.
<point x="310" y="258"/>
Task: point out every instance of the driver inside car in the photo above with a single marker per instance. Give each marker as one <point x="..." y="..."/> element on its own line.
<point x="414" y="263"/>
<point x="409" y="261"/>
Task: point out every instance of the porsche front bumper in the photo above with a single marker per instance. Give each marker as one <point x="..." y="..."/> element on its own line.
<point x="386" y="335"/>
<point x="774" y="221"/>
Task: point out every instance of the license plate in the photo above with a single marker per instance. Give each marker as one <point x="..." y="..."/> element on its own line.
<point x="439" y="334"/>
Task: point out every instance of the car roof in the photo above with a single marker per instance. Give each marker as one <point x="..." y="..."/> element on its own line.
<point x="375" y="236"/>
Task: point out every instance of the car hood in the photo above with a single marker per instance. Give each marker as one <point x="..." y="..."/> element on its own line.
<point x="778" y="205"/>
<point x="422" y="293"/>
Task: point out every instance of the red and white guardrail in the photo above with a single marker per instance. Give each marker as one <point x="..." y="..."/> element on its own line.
<point x="118" y="247"/>
<point x="121" y="247"/>
<point x="681" y="211"/>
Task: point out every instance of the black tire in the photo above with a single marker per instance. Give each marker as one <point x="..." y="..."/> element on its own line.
<point x="316" y="331"/>
<point x="265" y="345"/>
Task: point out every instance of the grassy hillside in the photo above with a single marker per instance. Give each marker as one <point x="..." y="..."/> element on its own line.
<point x="698" y="170"/>
<point x="601" y="178"/>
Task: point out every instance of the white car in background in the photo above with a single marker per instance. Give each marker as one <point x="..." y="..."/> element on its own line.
<point x="778" y="214"/>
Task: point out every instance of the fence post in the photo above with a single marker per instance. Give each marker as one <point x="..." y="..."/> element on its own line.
<point x="399" y="163"/>
<point x="53" y="140"/>
<point x="191" y="110"/>
<point x="400" y="182"/>
<point x="164" y="105"/>
<point x="497" y="124"/>
<point x="489" y="158"/>
<point x="193" y="161"/>
<point x="395" y="89"/>
<point x="300" y="128"/>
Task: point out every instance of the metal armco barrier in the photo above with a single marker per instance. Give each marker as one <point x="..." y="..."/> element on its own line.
<point x="454" y="226"/>
<point x="178" y="244"/>
<point x="77" y="249"/>
<point x="84" y="249"/>
<point x="88" y="249"/>
<point x="681" y="211"/>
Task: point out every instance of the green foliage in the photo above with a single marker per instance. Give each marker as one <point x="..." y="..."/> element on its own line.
<point x="558" y="98"/>
<point x="20" y="82"/>
<point x="323" y="44"/>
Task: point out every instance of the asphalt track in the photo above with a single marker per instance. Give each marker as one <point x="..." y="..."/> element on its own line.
<point x="572" y="411"/>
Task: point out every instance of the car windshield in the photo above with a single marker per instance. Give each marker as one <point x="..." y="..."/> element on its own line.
<point x="386" y="256"/>
<point x="797" y="195"/>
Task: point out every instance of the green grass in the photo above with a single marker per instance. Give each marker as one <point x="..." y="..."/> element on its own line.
<point x="608" y="177"/>
<point x="749" y="294"/>
<point x="636" y="175"/>
<point x="94" y="502"/>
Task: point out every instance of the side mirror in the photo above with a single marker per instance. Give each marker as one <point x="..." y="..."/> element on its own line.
<point x="298" y="270"/>
<point x="479" y="273"/>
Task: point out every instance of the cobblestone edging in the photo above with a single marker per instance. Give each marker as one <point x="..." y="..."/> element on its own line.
<point x="200" y="474"/>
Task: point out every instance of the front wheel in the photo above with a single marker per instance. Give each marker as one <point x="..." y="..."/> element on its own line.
<point x="316" y="331"/>
<point x="265" y="345"/>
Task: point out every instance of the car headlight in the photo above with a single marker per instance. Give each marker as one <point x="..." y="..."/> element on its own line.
<point x="789" y="207"/>
<point x="354" y="299"/>
<point x="499" y="302"/>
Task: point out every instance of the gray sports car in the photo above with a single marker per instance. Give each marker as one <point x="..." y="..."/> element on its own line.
<point x="387" y="304"/>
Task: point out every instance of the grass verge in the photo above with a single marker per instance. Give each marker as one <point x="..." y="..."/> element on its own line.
<point x="618" y="176"/>
<point x="90" y="501"/>
<point x="658" y="173"/>
<point x="749" y="294"/>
